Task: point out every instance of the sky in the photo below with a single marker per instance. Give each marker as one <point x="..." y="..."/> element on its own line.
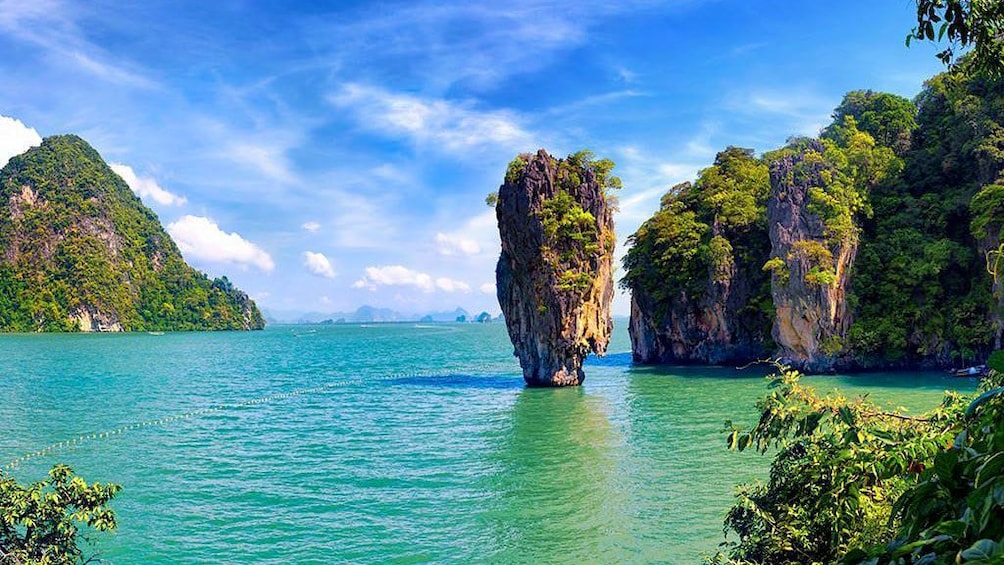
<point x="327" y="155"/>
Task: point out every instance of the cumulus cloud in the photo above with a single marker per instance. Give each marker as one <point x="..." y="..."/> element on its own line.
<point x="200" y="238"/>
<point x="397" y="275"/>
<point x="454" y="244"/>
<point x="477" y="237"/>
<point x="318" y="264"/>
<point x="146" y="187"/>
<point x="15" y="138"/>
<point x="311" y="226"/>
<point x="439" y="123"/>
<point x="450" y="285"/>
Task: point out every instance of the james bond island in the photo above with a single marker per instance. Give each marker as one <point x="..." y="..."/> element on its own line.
<point x="555" y="273"/>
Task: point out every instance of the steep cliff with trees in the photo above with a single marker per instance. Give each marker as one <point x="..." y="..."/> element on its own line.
<point x="555" y="273"/>
<point x="875" y="236"/>
<point x="80" y="251"/>
<point x="699" y="293"/>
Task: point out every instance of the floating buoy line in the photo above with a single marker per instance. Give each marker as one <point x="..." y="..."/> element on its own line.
<point x="106" y="434"/>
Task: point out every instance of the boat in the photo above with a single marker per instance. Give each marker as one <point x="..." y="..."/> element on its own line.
<point x="974" y="371"/>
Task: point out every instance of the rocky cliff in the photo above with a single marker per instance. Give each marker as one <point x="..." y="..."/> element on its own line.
<point x="875" y="237"/>
<point x="80" y="252"/>
<point x="810" y="261"/>
<point x="704" y="299"/>
<point x="554" y="275"/>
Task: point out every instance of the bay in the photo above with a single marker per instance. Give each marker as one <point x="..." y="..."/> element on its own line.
<point x="389" y="443"/>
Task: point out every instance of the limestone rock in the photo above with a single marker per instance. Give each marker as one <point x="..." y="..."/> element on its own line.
<point x="812" y="268"/>
<point x="554" y="275"/>
<point x="79" y="251"/>
<point x="718" y="326"/>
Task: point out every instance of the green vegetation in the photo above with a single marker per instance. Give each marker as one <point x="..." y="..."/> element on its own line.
<point x="917" y="187"/>
<point x="39" y="522"/>
<point x="704" y="232"/>
<point x="853" y="483"/>
<point x="920" y="278"/>
<point x="975" y="24"/>
<point x="574" y="239"/>
<point x="76" y="238"/>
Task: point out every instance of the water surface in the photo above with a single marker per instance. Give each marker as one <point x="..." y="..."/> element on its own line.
<point x="415" y="444"/>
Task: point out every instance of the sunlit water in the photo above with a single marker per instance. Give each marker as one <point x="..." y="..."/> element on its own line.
<point x="422" y="446"/>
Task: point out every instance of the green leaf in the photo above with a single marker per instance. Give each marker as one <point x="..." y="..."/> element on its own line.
<point x="982" y="551"/>
<point x="954" y="528"/>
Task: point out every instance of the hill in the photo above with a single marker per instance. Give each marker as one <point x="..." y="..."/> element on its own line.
<point x="80" y="251"/>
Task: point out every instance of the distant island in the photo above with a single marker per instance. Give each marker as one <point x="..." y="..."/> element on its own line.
<point x="371" y="314"/>
<point x="80" y="252"/>
<point x="875" y="245"/>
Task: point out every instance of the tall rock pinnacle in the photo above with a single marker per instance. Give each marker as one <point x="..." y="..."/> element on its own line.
<point x="554" y="275"/>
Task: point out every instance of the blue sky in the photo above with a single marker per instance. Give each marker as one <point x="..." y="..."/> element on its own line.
<point x="326" y="155"/>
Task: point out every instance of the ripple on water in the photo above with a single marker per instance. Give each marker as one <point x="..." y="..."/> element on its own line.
<point x="421" y="445"/>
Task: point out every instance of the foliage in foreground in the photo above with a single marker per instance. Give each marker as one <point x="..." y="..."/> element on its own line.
<point x="853" y="483"/>
<point x="975" y="25"/>
<point x="39" y="522"/>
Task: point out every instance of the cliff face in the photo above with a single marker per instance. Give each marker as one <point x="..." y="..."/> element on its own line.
<point x="80" y="252"/>
<point x="554" y="275"/>
<point x="811" y="265"/>
<point x="698" y="290"/>
<point x="719" y="326"/>
<point x="880" y="236"/>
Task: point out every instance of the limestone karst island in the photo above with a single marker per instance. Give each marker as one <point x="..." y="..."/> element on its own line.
<point x="736" y="298"/>
<point x="555" y="273"/>
<point x="82" y="253"/>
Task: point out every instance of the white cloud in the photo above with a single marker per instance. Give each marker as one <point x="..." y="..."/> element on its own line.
<point x="455" y="244"/>
<point x="451" y="285"/>
<point x="15" y="138"/>
<point x="438" y="123"/>
<point x="487" y="288"/>
<point x="318" y="264"/>
<point x="109" y="71"/>
<point x="397" y="275"/>
<point x="514" y="37"/>
<point x="199" y="237"/>
<point x="394" y="275"/>
<point x="477" y="238"/>
<point x="800" y="110"/>
<point x="146" y="187"/>
<point x="53" y="26"/>
<point x="268" y="160"/>
<point x="311" y="226"/>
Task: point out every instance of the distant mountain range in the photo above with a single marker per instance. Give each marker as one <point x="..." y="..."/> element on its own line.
<point x="372" y="314"/>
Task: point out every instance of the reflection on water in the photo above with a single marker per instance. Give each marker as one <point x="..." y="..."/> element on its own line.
<point x="558" y="494"/>
<point x="429" y="449"/>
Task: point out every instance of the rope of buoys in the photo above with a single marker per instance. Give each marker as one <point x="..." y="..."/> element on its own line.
<point x="83" y="438"/>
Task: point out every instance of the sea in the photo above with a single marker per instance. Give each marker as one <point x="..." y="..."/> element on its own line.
<point x="389" y="443"/>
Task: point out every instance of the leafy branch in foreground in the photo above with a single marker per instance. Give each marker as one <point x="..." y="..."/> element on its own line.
<point x="39" y="522"/>
<point x="839" y="463"/>
<point x="975" y="24"/>
<point x="955" y="512"/>
<point x="853" y="483"/>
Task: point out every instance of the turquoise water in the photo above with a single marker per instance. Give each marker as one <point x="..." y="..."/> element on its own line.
<point x="411" y="444"/>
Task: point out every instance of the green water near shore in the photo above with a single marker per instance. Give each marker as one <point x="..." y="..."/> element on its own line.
<point x="418" y="443"/>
